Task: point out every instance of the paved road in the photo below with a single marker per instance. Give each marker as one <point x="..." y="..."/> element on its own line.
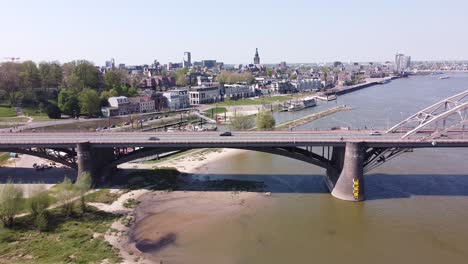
<point x="213" y="139"/>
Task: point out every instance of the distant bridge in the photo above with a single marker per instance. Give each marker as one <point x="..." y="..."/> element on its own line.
<point x="345" y="155"/>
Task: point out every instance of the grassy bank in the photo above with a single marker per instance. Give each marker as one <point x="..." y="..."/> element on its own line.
<point x="7" y="111"/>
<point x="69" y="240"/>
<point x="4" y="158"/>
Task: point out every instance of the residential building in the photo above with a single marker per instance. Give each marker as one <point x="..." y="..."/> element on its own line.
<point x="204" y="94"/>
<point x="307" y="84"/>
<point x="141" y="104"/>
<point x="177" y="99"/>
<point x="109" y="111"/>
<point x="235" y="91"/>
<point x="121" y="103"/>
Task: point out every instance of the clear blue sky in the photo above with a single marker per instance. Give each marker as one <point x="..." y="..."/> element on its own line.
<point x="139" y="31"/>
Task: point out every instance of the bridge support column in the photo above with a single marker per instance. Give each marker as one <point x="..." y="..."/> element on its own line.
<point x="94" y="161"/>
<point x="84" y="158"/>
<point x="350" y="184"/>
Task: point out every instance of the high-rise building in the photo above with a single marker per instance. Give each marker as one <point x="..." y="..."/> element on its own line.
<point x="402" y="62"/>
<point x="110" y="64"/>
<point x="187" y="59"/>
<point x="256" y="58"/>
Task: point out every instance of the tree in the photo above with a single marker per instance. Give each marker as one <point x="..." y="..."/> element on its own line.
<point x="269" y="72"/>
<point x="50" y="74"/>
<point x="265" y="120"/>
<point x="29" y="76"/>
<point x="10" y="201"/>
<point x="114" y="78"/>
<point x="10" y="81"/>
<point x="181" y="77"/>
<point x="80" y="75"/>
<point x="242" y="122"/>
<point x="66" y="196"/>
<point x="89" y="102"/>
<point x="38" y="203"/>
<point x="83" y="184"/>
<point x="68" y="103"/>
<point x="53" y="111"/>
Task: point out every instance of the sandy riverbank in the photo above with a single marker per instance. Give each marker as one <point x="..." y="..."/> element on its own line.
<point x="162" y="219"/>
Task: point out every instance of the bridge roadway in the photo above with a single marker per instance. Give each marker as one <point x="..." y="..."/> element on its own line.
<point x="213" y="139"/>
<point x="349" y="153"/>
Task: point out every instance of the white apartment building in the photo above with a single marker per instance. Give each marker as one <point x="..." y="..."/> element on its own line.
<point x="204" y="95"/>
<point x="235" y="91"/>
<point x="177" y="99"/>
<point x="304" y="85"/>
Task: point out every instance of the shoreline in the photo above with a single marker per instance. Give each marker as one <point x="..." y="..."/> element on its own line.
<point x="164" y="217"/>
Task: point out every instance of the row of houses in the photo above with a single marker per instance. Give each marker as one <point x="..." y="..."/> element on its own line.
<point x="150" y="101"/>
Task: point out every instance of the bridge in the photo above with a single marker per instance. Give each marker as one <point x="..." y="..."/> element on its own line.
<point x="345" y="155"/>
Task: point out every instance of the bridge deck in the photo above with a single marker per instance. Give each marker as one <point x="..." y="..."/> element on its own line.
<point x="213" y="139"/>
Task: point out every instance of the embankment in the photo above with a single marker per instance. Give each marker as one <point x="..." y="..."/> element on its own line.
<point x="312" y="117"/>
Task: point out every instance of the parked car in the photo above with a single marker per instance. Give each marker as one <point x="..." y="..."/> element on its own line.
<point x="226" y="134"/>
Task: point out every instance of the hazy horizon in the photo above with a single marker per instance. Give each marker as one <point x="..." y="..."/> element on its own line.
<point x="139" y="32"/>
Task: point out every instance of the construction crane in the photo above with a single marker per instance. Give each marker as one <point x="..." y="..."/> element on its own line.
<point x="12" y="59"/>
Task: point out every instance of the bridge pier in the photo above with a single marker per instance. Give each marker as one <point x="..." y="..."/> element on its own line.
<point x="94" y="161"/>
<point x="347" y="176"/>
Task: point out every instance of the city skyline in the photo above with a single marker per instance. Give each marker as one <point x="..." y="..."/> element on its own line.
<point x="300" y="32"/>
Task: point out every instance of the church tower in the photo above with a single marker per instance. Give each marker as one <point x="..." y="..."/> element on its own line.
<point x="256" y="58"/>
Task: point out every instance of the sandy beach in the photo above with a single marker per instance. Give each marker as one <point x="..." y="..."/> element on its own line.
<point x="162" y="219"/>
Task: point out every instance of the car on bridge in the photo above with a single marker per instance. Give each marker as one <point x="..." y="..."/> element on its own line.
<point x="153" y="138"/>
<point x="375" y="133"/>
<point x="226" y="134"/>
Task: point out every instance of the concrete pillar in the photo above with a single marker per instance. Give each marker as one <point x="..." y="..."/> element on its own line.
<point x="94" y="161"/>
<point x="350" y="184"/>
<point x="84" y="158"/>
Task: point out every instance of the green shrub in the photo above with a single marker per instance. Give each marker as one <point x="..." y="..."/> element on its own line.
<point x="10" y="202"/>
<point x="37" y="205"/>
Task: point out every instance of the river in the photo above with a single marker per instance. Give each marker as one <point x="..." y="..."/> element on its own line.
<point x="416" y="209"/>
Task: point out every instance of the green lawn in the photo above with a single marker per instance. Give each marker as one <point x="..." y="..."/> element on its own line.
<point x="28" y="111"/>
<point x="215" y="110"/>
<point x="102" y="196"/>
<point x="69" y="240"/>
<point x="7" y="112"/>
<point x="13" y="119"/>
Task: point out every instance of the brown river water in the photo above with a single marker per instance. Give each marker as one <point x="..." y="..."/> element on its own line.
<point x="416" y="209"/>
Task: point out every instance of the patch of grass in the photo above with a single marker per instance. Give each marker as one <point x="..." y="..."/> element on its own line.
<point x="102" y="196"/>
<point x="4" y="158"/>
<point x="131" y="203"/>
<point x="69" y="240"/>
<point x="7" y="112"/>
<point x="33" y="111"/>
<point x="215" y="110"/>
<point x="13" y="119"/>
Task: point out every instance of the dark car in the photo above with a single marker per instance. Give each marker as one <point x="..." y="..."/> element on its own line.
<point x="226" y="134"/>
<point x="153" y="138"/>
